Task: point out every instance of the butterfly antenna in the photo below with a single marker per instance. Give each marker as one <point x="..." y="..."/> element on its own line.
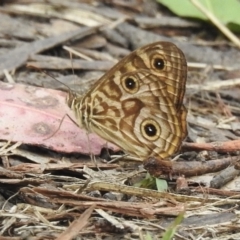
<point x="48" y="74"/>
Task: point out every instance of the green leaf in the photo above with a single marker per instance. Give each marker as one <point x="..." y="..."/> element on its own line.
<point x="162" y="185"/>
<point x="228" y="12"/>
<point x="148" y="236"/>
<point x="148" y="182"/>
<point x="168" y="235"/>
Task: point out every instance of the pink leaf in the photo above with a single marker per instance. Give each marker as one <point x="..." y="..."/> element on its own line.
<point x="31" y="114"/>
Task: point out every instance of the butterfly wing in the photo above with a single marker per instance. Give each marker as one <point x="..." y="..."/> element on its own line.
<point x="138" y="104"/>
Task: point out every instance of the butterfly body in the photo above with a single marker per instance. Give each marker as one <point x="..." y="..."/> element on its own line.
<point x="138" y="104"/>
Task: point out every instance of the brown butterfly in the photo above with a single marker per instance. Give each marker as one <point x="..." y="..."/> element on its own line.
<point x="138" y="104"/>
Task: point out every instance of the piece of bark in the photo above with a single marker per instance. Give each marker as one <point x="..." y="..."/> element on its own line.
<point x="158" y="167"/>
<point x="224" y="177"/>
<point x="56" y="63"/>
<point x="228" y="146"/>
<point x="19" y="56"/>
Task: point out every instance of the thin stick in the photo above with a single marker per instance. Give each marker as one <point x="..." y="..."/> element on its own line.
<point x="216" y="22"/>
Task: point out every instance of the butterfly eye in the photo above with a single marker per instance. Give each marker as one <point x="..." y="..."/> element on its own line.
<point x="158" y="63"/>
<point x="130" y="85"/>
<point x="150" y="129"/>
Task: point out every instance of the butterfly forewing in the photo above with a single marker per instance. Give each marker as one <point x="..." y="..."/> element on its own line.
<point x="138" y="104"/>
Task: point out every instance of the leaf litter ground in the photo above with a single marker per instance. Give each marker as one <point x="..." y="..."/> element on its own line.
<point x="50" y="188"/>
